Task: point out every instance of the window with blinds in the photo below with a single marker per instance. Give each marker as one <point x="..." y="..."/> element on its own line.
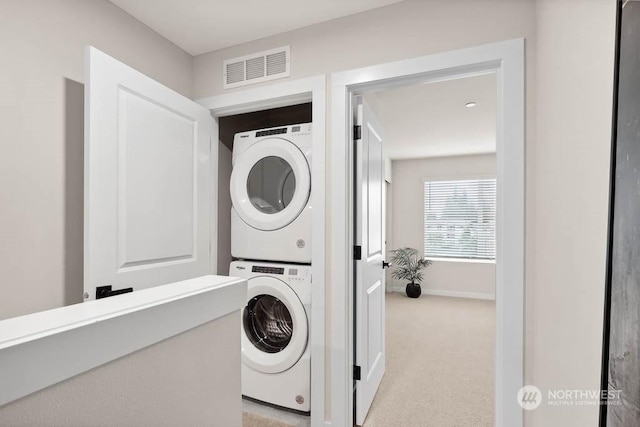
<point x="460" y="219"/>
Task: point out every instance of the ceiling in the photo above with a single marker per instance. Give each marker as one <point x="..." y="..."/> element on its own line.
<point x="431" y="120"/>
<point x="200" y="26"/>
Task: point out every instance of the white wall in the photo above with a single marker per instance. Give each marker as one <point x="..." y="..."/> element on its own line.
<point x="186" y="380"/>
<point x="407" y="206"/>
<point x="41" y="136"/>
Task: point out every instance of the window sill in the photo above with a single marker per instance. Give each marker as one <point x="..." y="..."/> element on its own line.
<point x="464" y="260"/>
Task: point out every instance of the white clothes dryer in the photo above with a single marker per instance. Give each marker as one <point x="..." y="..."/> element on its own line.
<point x="276" y="358"/>
<point x="271" y="194"/>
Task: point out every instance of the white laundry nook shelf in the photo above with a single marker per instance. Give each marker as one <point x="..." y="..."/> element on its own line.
<point x="45" y="348"/>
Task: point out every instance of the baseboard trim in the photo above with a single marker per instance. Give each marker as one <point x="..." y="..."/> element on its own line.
<point x="443" y="293"/>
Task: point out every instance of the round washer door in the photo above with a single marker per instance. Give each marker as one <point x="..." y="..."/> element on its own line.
<point x="270" y="184"/>
<point x="274" y="326"/>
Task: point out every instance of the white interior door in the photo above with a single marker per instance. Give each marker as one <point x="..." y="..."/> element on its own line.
<point x="370" y="276"/>
<point x="148" y="180"/>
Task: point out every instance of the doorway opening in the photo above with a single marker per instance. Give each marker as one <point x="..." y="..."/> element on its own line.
<point x="506" y="60"/>
<point x="437" y="229"/>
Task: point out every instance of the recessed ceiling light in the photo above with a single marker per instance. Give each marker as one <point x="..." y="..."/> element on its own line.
<point x="470" y="104"/>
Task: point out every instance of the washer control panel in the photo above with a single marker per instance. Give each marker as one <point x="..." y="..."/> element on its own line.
<point x="267" y="269"/>
<point x="286" y="272"/>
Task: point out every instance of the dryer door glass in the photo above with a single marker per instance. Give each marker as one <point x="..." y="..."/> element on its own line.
<point x="271" y="184"/>
<point x="267" y="323"/>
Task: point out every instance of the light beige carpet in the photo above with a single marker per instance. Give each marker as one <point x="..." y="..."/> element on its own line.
<point x="440" y="363"/>
<point x="255" y="420"/>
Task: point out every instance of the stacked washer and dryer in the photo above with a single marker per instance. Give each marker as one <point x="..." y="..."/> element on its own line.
<point x="271" y="242"/>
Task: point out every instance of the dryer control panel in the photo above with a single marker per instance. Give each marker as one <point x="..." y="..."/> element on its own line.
<point x="296" y="132"/>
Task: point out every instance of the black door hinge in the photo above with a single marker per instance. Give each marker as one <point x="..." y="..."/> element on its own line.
<point x="356" y="372"/>
<point x="357" y="132"/>
<point x="357" y="252"/>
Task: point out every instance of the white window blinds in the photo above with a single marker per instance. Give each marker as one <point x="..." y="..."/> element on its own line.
<point x="460" y="219"/>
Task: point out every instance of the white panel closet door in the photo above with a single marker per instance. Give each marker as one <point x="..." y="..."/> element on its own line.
<point x="147" y="180"/>
<point x="370" y="276"/>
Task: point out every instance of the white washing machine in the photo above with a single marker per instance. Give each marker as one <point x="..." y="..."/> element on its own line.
<point x="276" y="358"/>
<point x="271" y="194"/>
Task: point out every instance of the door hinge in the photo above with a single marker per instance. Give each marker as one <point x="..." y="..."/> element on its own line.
<point x="356" y="372"/>
<point x="357" y="252"/>
<point x="357" y="132"/>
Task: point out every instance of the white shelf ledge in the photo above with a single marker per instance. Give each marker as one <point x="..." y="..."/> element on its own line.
<point x="41" y="349"/>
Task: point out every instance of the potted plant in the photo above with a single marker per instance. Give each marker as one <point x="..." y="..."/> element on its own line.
<point x="408" y="265"/>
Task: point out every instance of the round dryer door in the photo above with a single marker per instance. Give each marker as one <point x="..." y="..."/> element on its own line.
<point x="274" y="326"/>
<point x="270" y="184"/>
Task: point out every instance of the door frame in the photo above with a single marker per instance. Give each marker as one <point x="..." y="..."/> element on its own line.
<point x="311" y="89"/>
<point x="506" y="59"/>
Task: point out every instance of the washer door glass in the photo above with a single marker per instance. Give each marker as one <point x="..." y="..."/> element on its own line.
<point x="274" y="326"/>
<point x="267" y="323"/>
<point x="271" y="184"/>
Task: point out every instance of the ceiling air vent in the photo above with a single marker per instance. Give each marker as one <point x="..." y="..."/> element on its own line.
<point x="257" y="67"/>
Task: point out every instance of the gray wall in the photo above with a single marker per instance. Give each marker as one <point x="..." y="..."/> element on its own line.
<point x="407" y="206"/>
<point x="186" y="380"/>
<point x="41" y="136"/>
<point x="569" y="162"/>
